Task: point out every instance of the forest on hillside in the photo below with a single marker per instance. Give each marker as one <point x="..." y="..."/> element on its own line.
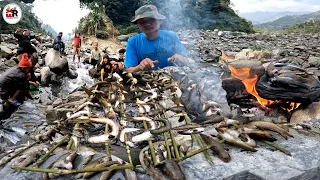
<point x="181" y="14"/>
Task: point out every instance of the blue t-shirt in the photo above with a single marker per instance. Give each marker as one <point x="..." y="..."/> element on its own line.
<point x="162" y="48"/>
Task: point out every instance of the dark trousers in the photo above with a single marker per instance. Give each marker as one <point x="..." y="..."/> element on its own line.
<point x="59" y="47"/>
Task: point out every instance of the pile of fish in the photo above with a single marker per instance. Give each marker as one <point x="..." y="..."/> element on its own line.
<point x="142" y="108"/>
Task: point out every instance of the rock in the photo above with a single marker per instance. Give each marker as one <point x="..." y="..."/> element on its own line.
<point x="123" y="37"/>
<point x="57" y="102"/>
<point x="72" y="74"/>
<point x="10" y="63"/>
<point x="221" y="33"/>
<point x="55" y="79"/>
<point x="34" y="41"/>
<point x="77" y="96"/>
<point x="124" y="43"/>
<point x="53" y="114"/>
<point x="45" y="75"/>
<point x="309" y="113"/>
<point x="260" y="37"/>
<point x="5" y="51"/>
<point x="93" y="73"/>
<point x="314" y="61"/>
<point x="57" y="64"/>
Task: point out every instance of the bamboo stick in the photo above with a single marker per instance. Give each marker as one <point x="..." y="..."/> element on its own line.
<point x="174" y="143"/>
<point x="205" y="148"/>
<point x="107" y="144"/>
<point x="70" y="143"/>
<point x="18" y="153"/>
<point x="66" y="171"/>
<point x="278" y="147"/>
<point x="43" y="158"/>
<point x="199" y="141"/>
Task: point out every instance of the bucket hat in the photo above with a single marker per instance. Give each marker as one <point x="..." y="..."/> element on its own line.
<point x="147" y="11"/>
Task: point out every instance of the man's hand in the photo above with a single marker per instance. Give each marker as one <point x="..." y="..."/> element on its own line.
<point x="147" y="64"/>
<point x="178" y="59"/>
<point x="18" y="30"/>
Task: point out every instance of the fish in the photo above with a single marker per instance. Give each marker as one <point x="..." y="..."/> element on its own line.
<point x="117" y="76"/>
<point x="269" y="126"/>
<point x="156" y="175"/>
<point x="26" y="159"/>
<point x="227" y="122"/>
<point x="186" y="126"/>
<point x="77" y="114"/>
<point x="192" y="131"/>
<point x="217" y="148"/>
<point x="164" y="128"/>
<point x="88" y="175"/>
<point x="153" y="96"/>
<point x="87" y="104"/>
<point x="129" y="175"/>
<point x="127" y="130"/>
<point x="255" y="133"/>
<point x="235" y="141"/>
<point x="142" y="137"/>
<point x="214" y="120"/>
<point x="87" y="160"/>
<point x="210" y="104"/>
<point x="105" y="137"/>
<point x="172" y="169"/>
<point x="138" y="119"/>
<point x="63" y="163"/>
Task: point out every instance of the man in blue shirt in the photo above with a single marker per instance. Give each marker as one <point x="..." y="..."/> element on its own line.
<point x="153" y="48"/>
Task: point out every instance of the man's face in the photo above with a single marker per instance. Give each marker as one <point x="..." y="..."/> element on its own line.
<point x="121" y="56"/>
<point x="149" y="25"/>
<point x="105" y="60"/>
<point x="60" y="35"/>
<point x="95" y="46"/>
<point x="25" y="33"/>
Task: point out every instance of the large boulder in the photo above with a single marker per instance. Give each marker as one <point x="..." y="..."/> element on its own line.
<point x="57" y="64"/>
<point x="45" y="75"/>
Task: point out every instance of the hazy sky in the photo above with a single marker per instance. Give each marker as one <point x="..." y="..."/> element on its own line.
<point x="63" y="15"/>
<point x="276" y="5"/>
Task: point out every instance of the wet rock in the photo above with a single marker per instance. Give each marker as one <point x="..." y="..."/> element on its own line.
<point x="93" y="73"/>
<point x="45" y="75"/>
<point x="55" y="79"/>
<point x="46" y="97"/>
<point x="53" y="114"/>
<point x="10" y="63"/>
<point x="57" y="64"/>
<point x="72" y="74"/>
<point x="57" y="102"/>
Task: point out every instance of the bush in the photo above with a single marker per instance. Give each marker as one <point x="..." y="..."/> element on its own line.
<point x="124" y="30"/>
<point x="101" y="34"/>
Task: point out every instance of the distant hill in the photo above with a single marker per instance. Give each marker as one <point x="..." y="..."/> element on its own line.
<point x="49" y="30"/>
<point x="288" y="21"/>
<point x="310" y="27"/>
<point x="259" y="17"/>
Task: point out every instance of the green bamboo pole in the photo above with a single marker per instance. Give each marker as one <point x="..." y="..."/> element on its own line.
<point x="205" y="148"/>
<point x="197" y="138"/>
<point x="174" y="143"/>
<point x="18" y="153"/>
<point x="164" y="134"/>
<point x="65" y="171"/>
<point x="278" y="147"/>
<point x="70" y="143"/>
<point x="43" y="158"/>
<point x="107" y="144"/>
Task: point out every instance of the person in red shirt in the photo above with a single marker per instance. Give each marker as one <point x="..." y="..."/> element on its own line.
<point x="76" y="45"/>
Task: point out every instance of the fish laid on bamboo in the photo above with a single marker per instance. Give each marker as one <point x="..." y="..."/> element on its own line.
<point x="217" y="148"/>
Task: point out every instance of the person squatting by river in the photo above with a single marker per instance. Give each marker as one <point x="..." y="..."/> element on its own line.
<point x="96" y="56"/>
<point x="153" y="48"/>
<point x="14" y="84"/>
<point x="25" y="45"/>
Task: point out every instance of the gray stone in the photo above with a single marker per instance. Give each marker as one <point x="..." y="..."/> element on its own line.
<point x="314" y="61"/>
<point x="77" y="96"/>
<point x="45" y="75"/>
<point x="72" y="74"/>
<point x="10" y="63"/>
<point x="311" y="112"/>
<point x="57" y="64"/>
<point x="5" y="51"/>
<point x="54" y="114"/>
<point x="123" y="37"/>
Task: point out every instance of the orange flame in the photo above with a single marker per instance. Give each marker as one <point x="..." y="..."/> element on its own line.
<point x="249" y="83"/>
<point x="289" y="106"/>
<point x="226" y="57"/>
